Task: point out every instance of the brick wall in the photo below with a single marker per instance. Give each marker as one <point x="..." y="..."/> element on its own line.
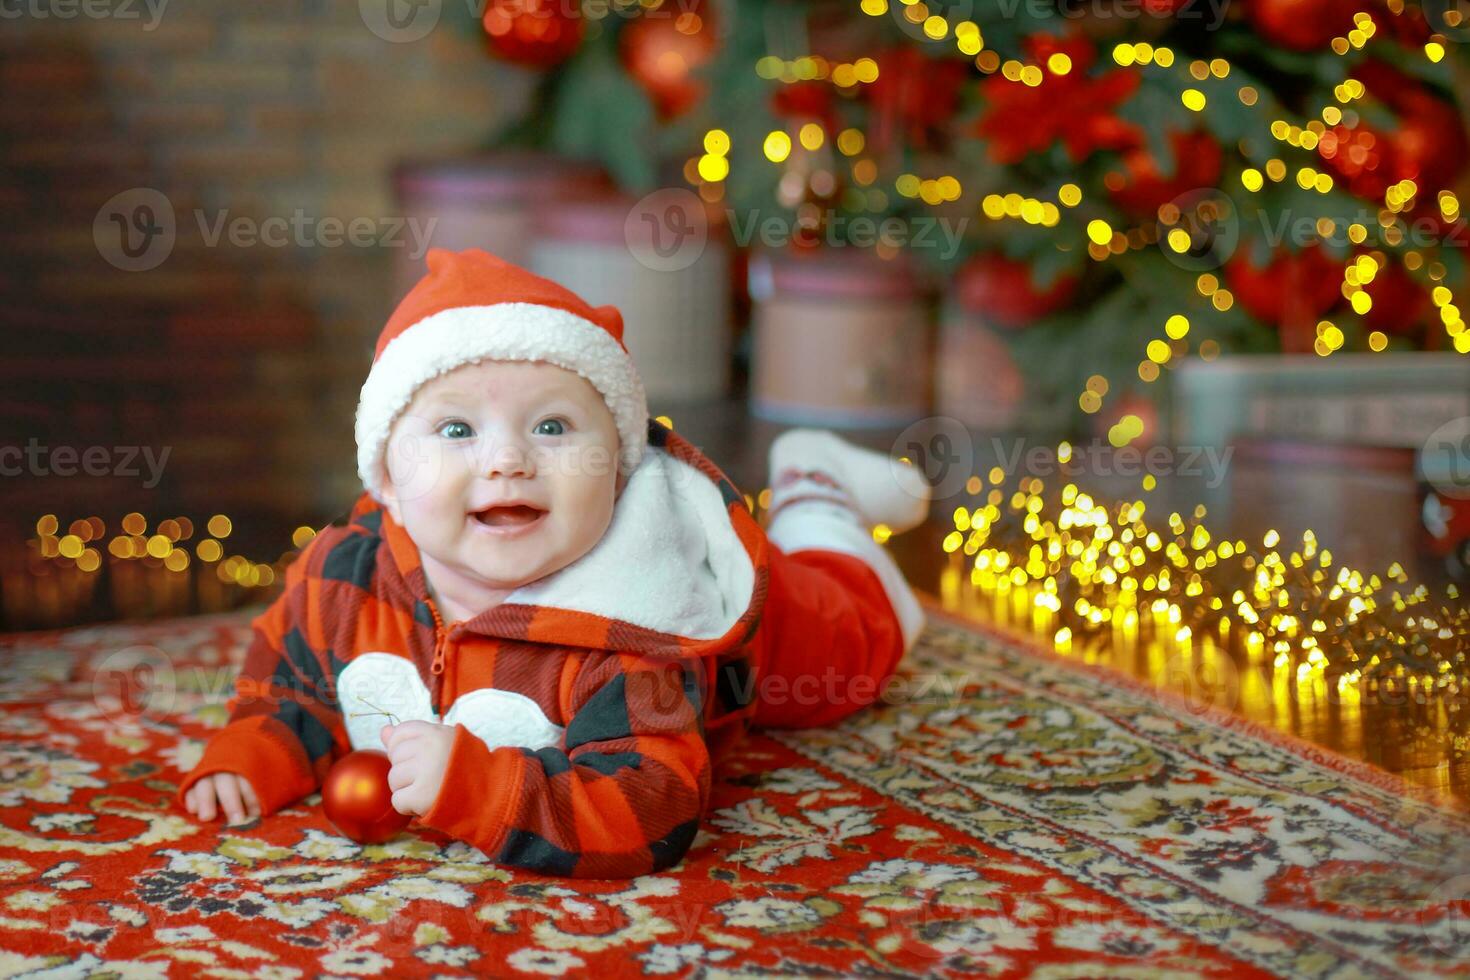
<point x="243" y="359"/>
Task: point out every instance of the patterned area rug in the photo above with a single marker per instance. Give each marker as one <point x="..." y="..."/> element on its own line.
<point x="999" y="812"/>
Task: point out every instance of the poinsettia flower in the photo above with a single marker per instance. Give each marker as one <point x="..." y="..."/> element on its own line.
<point x="1075" y="108"/>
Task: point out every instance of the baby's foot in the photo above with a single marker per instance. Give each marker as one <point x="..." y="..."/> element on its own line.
<point x="818" y="464"/>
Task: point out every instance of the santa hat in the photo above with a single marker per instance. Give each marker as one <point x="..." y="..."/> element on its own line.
<point x="473" y="306"/>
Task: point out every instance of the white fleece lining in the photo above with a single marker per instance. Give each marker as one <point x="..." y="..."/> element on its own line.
<point x="443" y="341"/>
<point x="819" y="526"/>
<point x="670" y="560"/>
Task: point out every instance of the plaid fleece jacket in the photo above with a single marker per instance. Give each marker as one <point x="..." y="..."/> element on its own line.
<point x="645" y="714"/>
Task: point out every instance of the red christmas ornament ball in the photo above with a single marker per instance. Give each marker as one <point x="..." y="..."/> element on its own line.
<point x="662" y="54"/>
<point x="357" y="799"/>
<point x="1291" y="292"/>
<point x="1140" y="188"/>
<point x="538" y="33"/>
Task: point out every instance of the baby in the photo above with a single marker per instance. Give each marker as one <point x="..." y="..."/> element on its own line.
<point x="554" y="614"/>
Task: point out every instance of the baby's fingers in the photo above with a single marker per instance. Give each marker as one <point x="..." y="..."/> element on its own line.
<point x="252" y="802"/>
<point x="229" y="797"/>
<point x="204" y="797"/>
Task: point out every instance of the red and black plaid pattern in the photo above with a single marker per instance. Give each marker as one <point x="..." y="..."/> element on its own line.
<point x="646" y="714"/>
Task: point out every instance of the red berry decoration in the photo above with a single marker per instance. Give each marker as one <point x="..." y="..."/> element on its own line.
<point x="538" y="33"/>
<point x="662" y="53"/>
<point x="357" y="799"/>
<point x="1301" y="25"/>
<point x="1428" y="146"/>
<point x="1001" y="292"/>
<point x="1399" y="303"/>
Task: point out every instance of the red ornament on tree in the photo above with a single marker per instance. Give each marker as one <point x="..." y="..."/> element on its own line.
<point x="1290" y="292"/>
<point x="1140" y="187"/>
<point x="357" y="799"/>
<point x="539" y="33"/>
<point x="1302" y="25"/>
<point x="1001" y="292"/>
<point x="662" y="52"/>
<point x="913" y="97"/>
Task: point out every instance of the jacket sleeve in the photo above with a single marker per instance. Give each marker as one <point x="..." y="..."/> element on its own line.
<point x="285" y="728"/>
<point x="621" y="796"/>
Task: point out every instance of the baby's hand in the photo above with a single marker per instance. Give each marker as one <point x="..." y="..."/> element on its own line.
<point x="419" y="752"/>
<point x="236" y="796"/>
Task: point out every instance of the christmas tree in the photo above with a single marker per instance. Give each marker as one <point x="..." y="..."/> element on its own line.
<point x="1135" y="182"/>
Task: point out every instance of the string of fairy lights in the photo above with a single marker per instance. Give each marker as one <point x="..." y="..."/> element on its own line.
<point x="1071" y="569"/>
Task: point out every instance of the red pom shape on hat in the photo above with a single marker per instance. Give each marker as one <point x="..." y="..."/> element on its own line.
<point x="357" y="799"/>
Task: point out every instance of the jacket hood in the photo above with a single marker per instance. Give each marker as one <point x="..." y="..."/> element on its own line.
<point x="680" y="571"/>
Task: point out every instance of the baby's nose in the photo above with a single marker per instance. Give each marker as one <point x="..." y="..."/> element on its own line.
<point x="509" y="459"/>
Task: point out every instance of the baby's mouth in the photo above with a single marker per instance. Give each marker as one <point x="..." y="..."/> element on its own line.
<point x="510" y="516"/>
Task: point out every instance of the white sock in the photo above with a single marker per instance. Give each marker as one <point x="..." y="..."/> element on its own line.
<point x="815" y="463"/>
<point x="826" y="495"/>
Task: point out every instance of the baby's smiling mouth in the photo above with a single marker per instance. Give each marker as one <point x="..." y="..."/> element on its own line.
<point x="508" y="515"/>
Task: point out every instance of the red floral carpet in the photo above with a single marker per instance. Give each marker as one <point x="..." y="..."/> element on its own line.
<point x="1001" y="813"/>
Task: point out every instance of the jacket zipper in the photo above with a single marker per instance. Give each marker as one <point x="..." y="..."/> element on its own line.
<point x="441" y="643"/>
<point x="441" y="640"/>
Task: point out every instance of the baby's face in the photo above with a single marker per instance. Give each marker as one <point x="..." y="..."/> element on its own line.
<point x="494" y="432"/>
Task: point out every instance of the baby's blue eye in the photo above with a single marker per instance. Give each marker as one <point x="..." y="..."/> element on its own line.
<point x="456" y="430"/>
<point x="558" y="427"/>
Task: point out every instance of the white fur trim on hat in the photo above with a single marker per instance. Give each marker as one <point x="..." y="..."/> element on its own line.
<point x="443" y="341"/>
